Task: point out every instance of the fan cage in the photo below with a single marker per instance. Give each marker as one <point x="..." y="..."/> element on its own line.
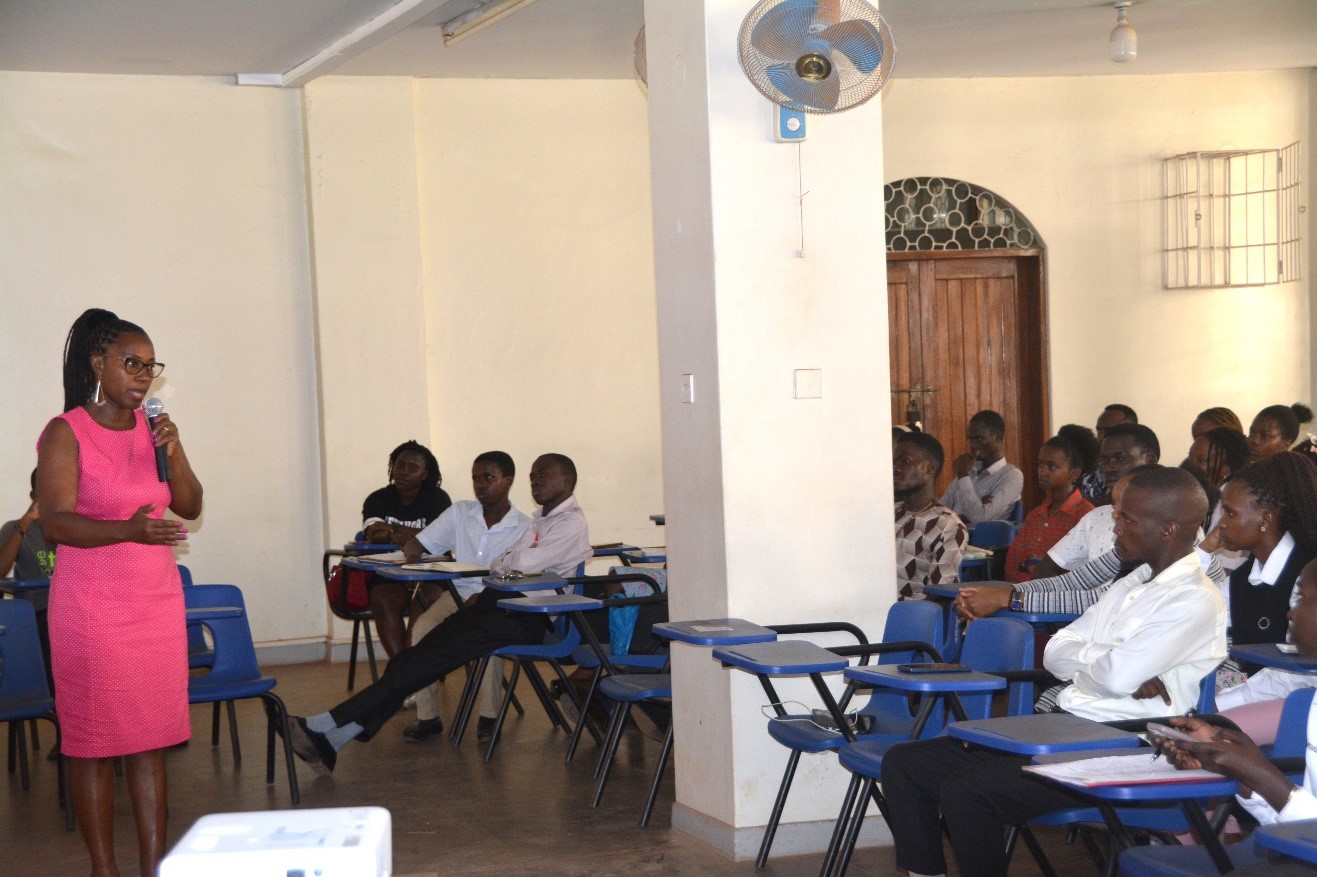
<point x="856" y="87"/>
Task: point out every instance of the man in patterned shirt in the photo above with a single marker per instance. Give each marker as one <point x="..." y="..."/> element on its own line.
<point x="930" y="538"/>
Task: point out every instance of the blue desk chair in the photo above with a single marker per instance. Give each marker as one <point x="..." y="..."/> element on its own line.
<point x="992" y="534"/>
<point x="992" y="645"/>
<point x="1194" y="861"/>
<point x="912" y="625"/>
<point x="1165" y="821"/>
<point x="24" y="694"/>
<point x="1016" y="514"/>
<point x="557" y="647"/>
<point x="235" y="674"/>
<point x="625" y="690"/>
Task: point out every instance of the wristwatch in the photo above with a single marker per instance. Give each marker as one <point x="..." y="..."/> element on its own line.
<point x="1017" y="600"/>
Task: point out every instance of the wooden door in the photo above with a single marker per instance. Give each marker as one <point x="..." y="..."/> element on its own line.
<point x="966" y="332"/>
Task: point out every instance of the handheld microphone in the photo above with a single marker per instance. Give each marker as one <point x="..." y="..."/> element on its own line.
<point x="154" y="408"/>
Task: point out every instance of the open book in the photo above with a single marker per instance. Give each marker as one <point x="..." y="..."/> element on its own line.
<point x="1120" y="770"/>
<point x="446" y="566"/>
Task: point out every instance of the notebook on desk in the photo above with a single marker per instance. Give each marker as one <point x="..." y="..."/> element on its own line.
<point x="445" y="566"/>
<point x="1120" y="770"/>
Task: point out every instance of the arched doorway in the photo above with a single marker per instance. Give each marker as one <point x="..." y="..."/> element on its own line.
<point x="967" y="315"/>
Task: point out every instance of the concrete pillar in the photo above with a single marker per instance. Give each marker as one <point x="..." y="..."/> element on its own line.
<point x="779" y="508"/>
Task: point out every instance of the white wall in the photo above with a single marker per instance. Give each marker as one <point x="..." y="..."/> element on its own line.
<point x="179" y="204"/>
<point x="1081" y="157"/>
<point x="539" y="278"/>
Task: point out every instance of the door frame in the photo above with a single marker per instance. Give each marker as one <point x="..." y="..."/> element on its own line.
<point x="1034" y="355"/>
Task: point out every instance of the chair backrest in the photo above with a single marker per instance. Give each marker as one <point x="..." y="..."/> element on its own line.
<point x="1207" y="693"/>
<point x="907" y="620"/>
<point x="235" y="654"/>
<point x="912" y="620"/>
<point x="186" y="575"/>
<point x="1016" y="514"/>
<point x="996" y="644"/>
<point x="22" y="669"/>
<point x="1292" y="732"/>
<point x="992" y="534"/>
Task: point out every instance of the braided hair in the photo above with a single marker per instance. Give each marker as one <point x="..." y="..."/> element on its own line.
<point x="432" y="473"/>
<point x="1286" y="483"/>
<point x="91" y="334"/>
<point x="1221" y="417"/>
<point x="1225" y="447"/>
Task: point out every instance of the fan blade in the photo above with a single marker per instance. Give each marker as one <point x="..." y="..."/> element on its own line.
<point x="780" y="33"/>
<point x="859" y="41"/>
<point x="808" y="95"/>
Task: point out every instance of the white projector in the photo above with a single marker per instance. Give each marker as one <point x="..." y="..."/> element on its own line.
<point x="336" y="842"/>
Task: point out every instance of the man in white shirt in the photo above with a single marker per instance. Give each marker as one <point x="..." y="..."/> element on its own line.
<point x="992" y="485"/>
<point x="556" y="542"/>
<point x="476" y="531"/>
<point x="1140" y="651"/>
<point x="1125" y="447"/>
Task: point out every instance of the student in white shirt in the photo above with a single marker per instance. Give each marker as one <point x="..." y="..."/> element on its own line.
<point x="1140" y="651"/>
<point x="557" y="542"/>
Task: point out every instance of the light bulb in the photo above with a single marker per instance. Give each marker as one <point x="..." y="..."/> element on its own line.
<point x="1124" y="38"/>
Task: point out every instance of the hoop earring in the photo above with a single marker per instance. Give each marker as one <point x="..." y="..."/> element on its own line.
<point x="97" y="398"/>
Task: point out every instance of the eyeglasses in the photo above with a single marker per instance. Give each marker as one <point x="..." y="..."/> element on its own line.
<point x="134" y="366"/>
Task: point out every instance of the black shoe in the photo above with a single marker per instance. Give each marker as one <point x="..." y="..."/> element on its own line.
<point x="423" y="730"/>
<point x="485" y="729"/>
<point x="311" y="746"/>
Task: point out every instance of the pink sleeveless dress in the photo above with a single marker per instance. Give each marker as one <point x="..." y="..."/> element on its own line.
<point x="118" y="633"/>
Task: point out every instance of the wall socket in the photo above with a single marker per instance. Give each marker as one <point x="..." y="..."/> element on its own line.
<point x="809" y="383"/>
<point x="688" y="388"/>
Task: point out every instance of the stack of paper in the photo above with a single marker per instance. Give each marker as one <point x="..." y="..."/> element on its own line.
<point x="1120" y="770"/>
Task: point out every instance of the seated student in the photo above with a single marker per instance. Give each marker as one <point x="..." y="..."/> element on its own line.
<point x="1089" y="448"/>
<point x="1269" y="683"/>
<point x="992" y="485"/>
<point x="1125" y="447"/>
<point x="24" y="549"/>
<point x="1073" y="591"/>
<point x="1276" y="429"/>
<point x="1095" y="486"/>
<point x="475" y="531"/>
<point x="556" y="542"/>
<point x="1269" y="510"/>
<point x="1264" y="792"/>
<point x="1139" y="652"/>
<point x="394" y="514"/>
<point x="1059" y="467"/>
<point x="930" y="538"/>
<point x="1219" y="453"/>
<point x="1215" y="418"/>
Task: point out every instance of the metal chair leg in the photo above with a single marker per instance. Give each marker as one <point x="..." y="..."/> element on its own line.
<point x="233" y="732"/>
<point x="370" y="653"/>
<point x="839" y="830"/>
<point x="658" y="777"/>
<point x="776" y="815"/>
<point x="853" y="830"/>
<point x="503" y="710"/>
<point x="214" y="723"/>
<point x="615" y="737"/>
<point x="466" y="703"/>
<point x="18" y="728"/>
<point x="352" y="656"/>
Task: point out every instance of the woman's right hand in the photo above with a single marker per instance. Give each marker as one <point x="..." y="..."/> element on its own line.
<point x="154" y="531"/>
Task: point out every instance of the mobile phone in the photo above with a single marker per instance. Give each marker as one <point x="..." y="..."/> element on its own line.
<point x="1168" y="733"/>
<point x="919" y="669"/>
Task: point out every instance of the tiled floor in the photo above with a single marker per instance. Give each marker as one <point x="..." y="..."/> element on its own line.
<point x="524" y="813"/>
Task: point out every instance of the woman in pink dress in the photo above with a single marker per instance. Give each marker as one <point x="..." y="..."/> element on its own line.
<point x="117" y="627"/>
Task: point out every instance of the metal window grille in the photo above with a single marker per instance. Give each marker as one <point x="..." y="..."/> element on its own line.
<point x="1232" y="218"/>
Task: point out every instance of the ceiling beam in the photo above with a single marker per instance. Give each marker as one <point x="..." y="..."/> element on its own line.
<point x="389" y="22"/>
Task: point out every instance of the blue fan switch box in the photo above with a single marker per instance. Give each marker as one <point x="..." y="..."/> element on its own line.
<point x="790" y="126"/>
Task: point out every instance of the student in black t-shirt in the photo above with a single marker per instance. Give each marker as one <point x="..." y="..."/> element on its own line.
<point x="395" y="513"/>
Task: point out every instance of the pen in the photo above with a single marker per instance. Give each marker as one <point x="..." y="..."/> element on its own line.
<point x="1156" y="751"/>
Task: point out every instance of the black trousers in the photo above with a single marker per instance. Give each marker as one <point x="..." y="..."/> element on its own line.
<point x="978" y="793"/>
<point x="462" y="637"/>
